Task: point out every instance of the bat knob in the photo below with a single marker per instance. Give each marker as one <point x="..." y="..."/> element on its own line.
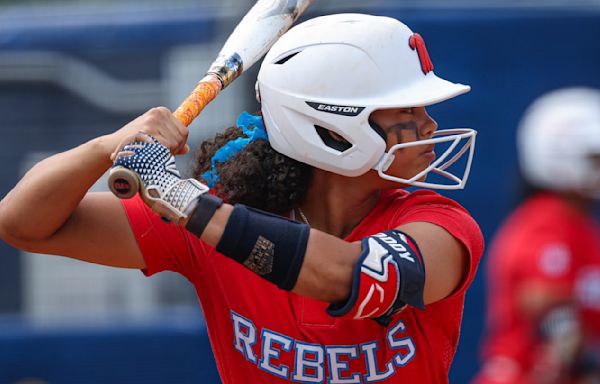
<point x="123" y="183"/>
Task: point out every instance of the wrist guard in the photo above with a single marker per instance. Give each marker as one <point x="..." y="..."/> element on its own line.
<point x="271" y="246"/>
<point x="204" y="209"/>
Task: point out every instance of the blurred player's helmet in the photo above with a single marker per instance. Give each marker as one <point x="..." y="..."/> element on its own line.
<point x="331" y="72"/>
<point x="559" y="141"/>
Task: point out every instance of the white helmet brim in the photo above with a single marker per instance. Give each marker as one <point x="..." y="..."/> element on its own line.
<point x="427" y="91"/>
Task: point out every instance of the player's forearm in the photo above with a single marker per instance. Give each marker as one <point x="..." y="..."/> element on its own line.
<point x="326" y="270"/>
<point x="326" y="273"/>
<point x="49" y="193"/>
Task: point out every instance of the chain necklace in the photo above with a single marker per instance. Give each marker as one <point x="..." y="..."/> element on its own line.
<point x="303" y="216"/>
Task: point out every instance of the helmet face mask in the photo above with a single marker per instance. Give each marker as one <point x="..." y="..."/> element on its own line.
<point x="461" y="141"/>
<point x="330" y="73"/>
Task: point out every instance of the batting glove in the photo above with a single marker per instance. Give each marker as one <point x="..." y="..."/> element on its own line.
<point x="147" y="166"/>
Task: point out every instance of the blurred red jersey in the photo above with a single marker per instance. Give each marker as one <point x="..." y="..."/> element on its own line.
<point x="544" y="243"/>
<point x="261" y="334"/>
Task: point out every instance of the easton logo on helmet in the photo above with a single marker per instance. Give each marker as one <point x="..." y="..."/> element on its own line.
<point x="344" y="110"/>
<point x="417" y="42"/>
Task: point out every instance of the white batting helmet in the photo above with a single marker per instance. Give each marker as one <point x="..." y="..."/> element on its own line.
<point x="556" y="139"/>
<point x="331" y="72"/>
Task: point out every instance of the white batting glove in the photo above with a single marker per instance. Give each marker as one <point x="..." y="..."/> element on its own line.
<point x="147" y="166"/>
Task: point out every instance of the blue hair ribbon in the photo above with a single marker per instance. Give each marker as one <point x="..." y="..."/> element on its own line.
<point x="232" y="148"/>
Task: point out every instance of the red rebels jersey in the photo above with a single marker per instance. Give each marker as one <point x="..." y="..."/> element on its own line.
<point x="544" y="241"/>
<point x="261" y="334"/>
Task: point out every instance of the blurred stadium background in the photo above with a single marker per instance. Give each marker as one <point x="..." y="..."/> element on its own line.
<point x="73" y="70"/>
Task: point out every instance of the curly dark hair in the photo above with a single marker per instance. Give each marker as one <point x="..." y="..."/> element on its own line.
<point x="258" y="176"/>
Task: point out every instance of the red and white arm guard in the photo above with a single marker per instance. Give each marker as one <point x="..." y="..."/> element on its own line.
<point x="388" y="275"/>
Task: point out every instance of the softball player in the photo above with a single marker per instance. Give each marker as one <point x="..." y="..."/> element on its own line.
<point x="349" y="278"/>
<point x="544" y="265"/>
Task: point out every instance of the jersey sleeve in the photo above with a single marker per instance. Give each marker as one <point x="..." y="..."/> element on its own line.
<point x="430" y="207"/>
<point x="164" y="246"/>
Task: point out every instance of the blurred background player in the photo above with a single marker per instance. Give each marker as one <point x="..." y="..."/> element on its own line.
<point x="543" y="270"/>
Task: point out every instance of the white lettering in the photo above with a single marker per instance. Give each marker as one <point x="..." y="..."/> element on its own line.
<point x="335" y="365"/>
<point x="310" y="359"/>
<point x="401" y="249"/>
<point x="269" y="338"/>
<point x="244" y="336"/>
<point x="407" y="256"/>
<point x="405" y="343"/>
<point x="372" y="373"/>
<point x="309" y="363"/>
<point x="337" y="108"/>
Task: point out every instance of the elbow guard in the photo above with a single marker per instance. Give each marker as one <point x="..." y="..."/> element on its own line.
<point x="388" y="275"/>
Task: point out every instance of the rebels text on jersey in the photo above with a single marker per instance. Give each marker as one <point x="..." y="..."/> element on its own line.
<point x="261" y="334"/>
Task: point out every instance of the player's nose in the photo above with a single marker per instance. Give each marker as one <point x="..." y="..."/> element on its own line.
<point x="427" y="125"/>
